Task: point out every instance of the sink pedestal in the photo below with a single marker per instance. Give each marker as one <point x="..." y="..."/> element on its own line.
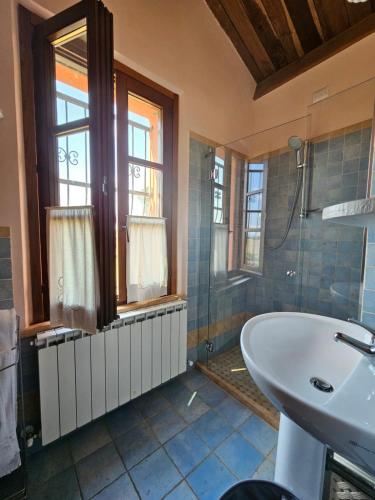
<point x="300" y="461"/>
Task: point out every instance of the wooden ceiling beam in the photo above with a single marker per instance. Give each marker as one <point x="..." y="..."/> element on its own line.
<point x="229" y="28"/>
<point x="328" y="49"/>
<point x="333" y="16"/>
<point x="238" y="15"/>
<point x="276" y="14"/>
<point x="304" y="25"/>
<point x="292" y="30"/>
<point x="258" y="18"/>
<point x="320" y="24"/>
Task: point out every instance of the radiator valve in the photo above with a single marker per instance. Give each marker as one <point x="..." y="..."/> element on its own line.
<point x="29" y="435"/>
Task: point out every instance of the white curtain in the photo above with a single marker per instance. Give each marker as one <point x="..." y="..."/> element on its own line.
<point x="72" y="268"/>
<point x="146" y="258"/>
<point x="220" y="248"/>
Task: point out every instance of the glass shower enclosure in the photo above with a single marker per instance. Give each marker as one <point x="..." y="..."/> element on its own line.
<point x="266" y="245"/>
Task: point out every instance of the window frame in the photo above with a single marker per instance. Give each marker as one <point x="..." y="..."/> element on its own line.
<point x="246" y="194"/>
<point x="222" y="187"/>
<point x="39" y="309"/>
<point x="128" y="80"/>
<point x="27" y="21"/>
<point x="38" y="80"/>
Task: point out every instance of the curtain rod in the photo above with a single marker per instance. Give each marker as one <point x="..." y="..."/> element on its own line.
<point x="146" y="216"/>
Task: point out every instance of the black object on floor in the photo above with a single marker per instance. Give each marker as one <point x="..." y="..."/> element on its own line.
<point x="257" y="490"/>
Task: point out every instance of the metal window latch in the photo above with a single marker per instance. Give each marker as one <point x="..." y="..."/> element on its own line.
<point x="104" y="186"/>
<point x="125" y="228"/>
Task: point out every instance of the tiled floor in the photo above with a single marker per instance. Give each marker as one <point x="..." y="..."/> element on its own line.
<point x="159" y="446"/>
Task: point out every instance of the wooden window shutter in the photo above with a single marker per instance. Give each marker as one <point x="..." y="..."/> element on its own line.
<point x="101" y="87"/>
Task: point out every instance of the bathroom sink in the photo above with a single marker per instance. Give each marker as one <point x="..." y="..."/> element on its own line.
<point x="294" y="358"/>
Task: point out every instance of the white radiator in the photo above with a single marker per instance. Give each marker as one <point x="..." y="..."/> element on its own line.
<point x="83" y="376"/>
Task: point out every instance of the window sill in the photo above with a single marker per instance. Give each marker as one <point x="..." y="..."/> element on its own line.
<point x="148" y="303"/>
<point x="228" y="284"/>
<point x="251" y="272"/>
<point x="32" y="330"/>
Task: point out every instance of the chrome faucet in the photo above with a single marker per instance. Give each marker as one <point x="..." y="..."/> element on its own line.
<point x="362" y="347"/>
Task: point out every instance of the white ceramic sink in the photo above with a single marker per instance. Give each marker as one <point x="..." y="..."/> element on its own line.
<point x="282" y="351"/>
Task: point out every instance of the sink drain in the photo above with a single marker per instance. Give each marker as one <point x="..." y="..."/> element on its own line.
<point x="321" y="385"/>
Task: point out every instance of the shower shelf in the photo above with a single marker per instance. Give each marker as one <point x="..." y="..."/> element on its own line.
<point x="352" y="213"/>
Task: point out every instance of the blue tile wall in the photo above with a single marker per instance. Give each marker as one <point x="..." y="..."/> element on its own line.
<point x="331" y="255"/>
<point x="273" y="290"/>
<point x="6" y="288"/>
<point x="340" y="172"/>
<point x="329" y="265"/>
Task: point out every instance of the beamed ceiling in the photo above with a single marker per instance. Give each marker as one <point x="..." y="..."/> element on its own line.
<point x="280" y="39"/>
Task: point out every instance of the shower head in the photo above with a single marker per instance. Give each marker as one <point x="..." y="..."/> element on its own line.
<point x="295" y="142"/>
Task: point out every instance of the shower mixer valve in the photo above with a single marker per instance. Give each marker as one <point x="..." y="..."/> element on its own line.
<point x="290" y="273"/>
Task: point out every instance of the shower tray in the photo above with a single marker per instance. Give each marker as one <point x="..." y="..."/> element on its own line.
<point x="228" y="371"/>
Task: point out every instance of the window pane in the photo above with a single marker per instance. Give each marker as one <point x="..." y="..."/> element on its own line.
<point x="254" y="202"/>
<point x="256" y="166"/>
<point x="254" y="181"/>
<point x="220" y="175"/>
<point x="252" y="249"/>
<point x="75" y="112"/>
<point x="61" y="110"/>
<point x="219" y="170"/>
<point x="130" y="140"/>
<point x="218" y="216"/>
<point x="77" y="195"/>
<point x="63" y="194"/>
<point x="73" y="160"/>
<point x="71" y="77"/>
<point x="145" y="191"/>
<point x="73" y="155"/>
<point x="63" y="157"/>
<point x="145" y="129"/>
<point x="139" y="142"/>
<point x="218" y="198"/>
<point x="253" y="219"/>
